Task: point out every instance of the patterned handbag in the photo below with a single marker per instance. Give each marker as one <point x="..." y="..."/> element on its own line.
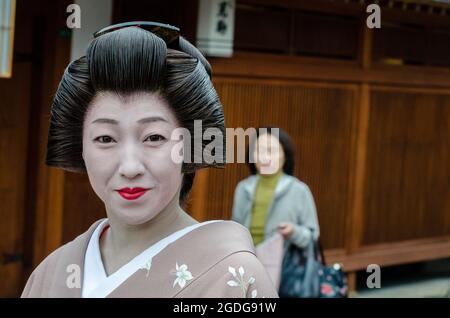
<point x="332" y="279"/>
<point x="299" y="274"/>
<point x="305" y="275"/>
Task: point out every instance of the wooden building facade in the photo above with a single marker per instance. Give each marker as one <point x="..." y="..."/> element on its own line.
<point x="368" y="111"/>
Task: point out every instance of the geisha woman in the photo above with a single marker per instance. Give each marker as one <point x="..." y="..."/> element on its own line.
<point x="112" y="117"/>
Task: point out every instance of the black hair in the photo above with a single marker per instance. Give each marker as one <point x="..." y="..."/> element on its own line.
<point x="285" y="142"/>
<point x="126" y="61"/>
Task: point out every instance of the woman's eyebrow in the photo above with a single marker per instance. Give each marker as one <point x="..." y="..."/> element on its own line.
<point x="140" y="121"/>
<point x="151" y="119"/>
<point x="105" y="121"/>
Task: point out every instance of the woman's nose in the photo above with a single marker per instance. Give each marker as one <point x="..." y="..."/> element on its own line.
<point x="264" y="157"/>
<point x="131" y="165"/>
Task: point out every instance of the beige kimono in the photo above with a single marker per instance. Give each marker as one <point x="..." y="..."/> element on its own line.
<point x="213" y="260"/>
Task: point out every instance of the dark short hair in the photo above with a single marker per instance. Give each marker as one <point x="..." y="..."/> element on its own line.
<point x="285" y="142"/>
<point x="127" y="61"/>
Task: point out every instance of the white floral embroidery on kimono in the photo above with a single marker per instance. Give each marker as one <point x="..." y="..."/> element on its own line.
<point x="147" y="266"/>
<point x="183" y="275"/>
<point x="240" y="282"/>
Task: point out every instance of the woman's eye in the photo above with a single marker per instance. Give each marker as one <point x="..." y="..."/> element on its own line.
<point x="155" y="138"/>
<point x="104" y="139"/>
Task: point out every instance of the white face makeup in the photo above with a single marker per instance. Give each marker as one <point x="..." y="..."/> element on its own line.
<point x="269" y="155"/>
<point x="127" y="144"/>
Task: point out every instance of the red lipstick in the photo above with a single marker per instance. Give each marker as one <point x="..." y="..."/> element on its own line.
<point x="132" y="193"/>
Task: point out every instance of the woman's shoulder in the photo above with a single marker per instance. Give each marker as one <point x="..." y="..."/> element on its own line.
<point x="296" y="184"/>
<point x="228" y="232"/>
<point x="237" y="272"/>
<point x="239" y="275"/>
<point x="226" y="225"/>
<point x="44" y="275"/>
<point x="220" y="238"/>
<point x="249" y="180"/>
<point x="79" y="242"/>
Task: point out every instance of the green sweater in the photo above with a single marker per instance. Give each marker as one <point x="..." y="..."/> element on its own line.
<point x="265" y="190"/>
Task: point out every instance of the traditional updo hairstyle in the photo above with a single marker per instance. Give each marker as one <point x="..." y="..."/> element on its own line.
<point x="127" y="61"/>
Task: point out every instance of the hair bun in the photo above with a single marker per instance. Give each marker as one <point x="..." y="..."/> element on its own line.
<point x="188" y="48"/>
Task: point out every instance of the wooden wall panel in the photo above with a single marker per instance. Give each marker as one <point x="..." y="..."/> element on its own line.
<point x="407" y="190"/>
<point x="14" y="115"/>
<point x="319" y="119"/>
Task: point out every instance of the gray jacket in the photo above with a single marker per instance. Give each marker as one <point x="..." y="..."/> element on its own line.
<point x="292" y="202"/>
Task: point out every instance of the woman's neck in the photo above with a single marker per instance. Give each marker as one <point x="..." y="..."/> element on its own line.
<point x="271" y="176"/>
<point x="122" y="242"/>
